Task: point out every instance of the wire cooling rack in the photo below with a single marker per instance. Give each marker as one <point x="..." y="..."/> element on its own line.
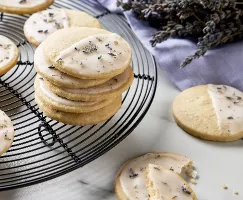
<point x="43" y="148"/>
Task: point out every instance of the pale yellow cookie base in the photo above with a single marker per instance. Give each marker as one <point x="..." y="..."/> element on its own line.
<point x="6" y="68"/>
<point x="154" y="194"/>
<point x="118" y="188"/>
<point x="72" y="109"/>
<point x="5" y="150"/>
<point x="87" y="20"/>
<point x="92" y="97"/>
<point x="74" y="21"/>
<point x="84" y="83"/>
<point x="56" y="43"/>
<point x="194" y="112"/>
<point x="21" y="11"/>
<point x="81" y="119"/>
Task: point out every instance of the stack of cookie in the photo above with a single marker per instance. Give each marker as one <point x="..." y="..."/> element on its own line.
<point x="82" y="73"/>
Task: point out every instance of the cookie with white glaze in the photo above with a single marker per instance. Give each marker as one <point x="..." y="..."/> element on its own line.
<point x="24" y="6"/>
<point x="131" y="179"/>
<point x="164" y="184"/>
<point x="65" y="105"/>
<point x="88" y="53"/>
<point x="9" y="54"/>
<point x="6" y="133"/>
<point x="89" y="118"/>
<point x="56" y="77"/>
<point x="210" y="112"/>
<point x="110" y="89"/>
<point x="40" y="25"/>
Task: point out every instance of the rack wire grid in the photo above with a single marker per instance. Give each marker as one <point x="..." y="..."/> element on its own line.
<point x="43" y="148"/>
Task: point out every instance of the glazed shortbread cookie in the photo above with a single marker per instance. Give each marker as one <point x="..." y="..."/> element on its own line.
<point x="6" y="132"/>
<point x="89" y="118"/>
<point x="56" y="77"/>
<point x="211" y="112"/>
<point x="131" y="180"/>
<point x="110" y="89"/>
<point x="88" y="53"/>
<point x="40" y="25"/>
<point x="164" y="184"/>
<point x="24" y="6"/>
<point x="65" y="105"/>
<point x="8" y="54"/>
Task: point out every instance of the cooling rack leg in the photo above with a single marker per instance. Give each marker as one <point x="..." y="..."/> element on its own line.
<point x="54" y="139"/>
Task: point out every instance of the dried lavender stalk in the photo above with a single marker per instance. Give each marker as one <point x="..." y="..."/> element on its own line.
<point x="211" y="22"/>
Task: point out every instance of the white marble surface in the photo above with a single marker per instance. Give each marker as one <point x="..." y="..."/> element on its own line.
<point x="217" y="163"/>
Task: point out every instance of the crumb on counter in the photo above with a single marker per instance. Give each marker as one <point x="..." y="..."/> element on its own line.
<point x="235" y="192"/>
<point x="224" y="186"/>
<point x="192" y="173"/>
<point x="193" y="181"/>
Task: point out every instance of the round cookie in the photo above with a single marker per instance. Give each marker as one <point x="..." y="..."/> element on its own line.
<point x="6" y="132"/>
<point x="65" y="105"/>
<point x="211" y="112"/>
<point x="88" y="53"/>
<point x="82" y="119"/>
<point x="56" y="77"/>
<point x="159" y="179"/>
<point x="40" y="25"/>
<point x="24" y="6"/>
<point x="110" y="89"/>
<point x="131" y="179"/>
<point x="9" y="54"/>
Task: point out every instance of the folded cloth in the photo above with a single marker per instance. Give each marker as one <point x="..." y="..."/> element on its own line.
<point x="221" y="65"/>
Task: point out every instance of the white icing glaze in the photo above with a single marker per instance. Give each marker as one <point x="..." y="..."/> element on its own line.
<point x="6" y="132"/>
<point x="110" y="52"/>
<point x="7" y="51"/>
<point x="43" y="66"/>
<point x="113" y="84"/>
<point x="167" y="184"/>
<point x="135" y="188"/>
<point x="61" y="100"/>
<point x="42" y="24"/>
<point x="19" y="3"/>
<point x="228" y="105"/>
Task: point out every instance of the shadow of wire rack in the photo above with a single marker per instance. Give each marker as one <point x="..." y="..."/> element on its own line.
<point x="43" y="148"/>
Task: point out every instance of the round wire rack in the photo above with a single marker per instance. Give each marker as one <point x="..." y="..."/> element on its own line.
<point x="43" y="148"/>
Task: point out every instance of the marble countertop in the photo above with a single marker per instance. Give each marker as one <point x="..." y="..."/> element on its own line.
<point x="216" y="163"/>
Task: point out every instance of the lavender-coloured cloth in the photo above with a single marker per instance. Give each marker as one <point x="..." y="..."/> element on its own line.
<point x="222" y="65"/>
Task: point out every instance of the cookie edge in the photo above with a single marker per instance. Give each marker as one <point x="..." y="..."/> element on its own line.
<point x="22" y="11"/>
<point x="93" y="97"/>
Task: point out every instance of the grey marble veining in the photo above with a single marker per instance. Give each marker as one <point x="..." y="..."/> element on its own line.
<point x="95" y="191"/>
<point x="217" y="163"/>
